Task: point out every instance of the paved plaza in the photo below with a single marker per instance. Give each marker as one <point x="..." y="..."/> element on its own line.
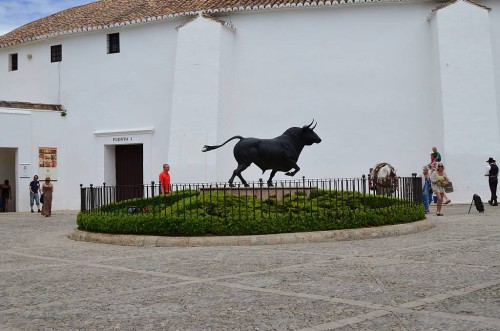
<point x="443" y="278"/>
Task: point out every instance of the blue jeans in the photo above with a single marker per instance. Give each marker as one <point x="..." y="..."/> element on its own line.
<point x="426" y="194"/>
<point x="35" y="197"/>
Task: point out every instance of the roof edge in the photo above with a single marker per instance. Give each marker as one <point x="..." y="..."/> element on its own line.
<point x="451" y="2"/>
<point x="31" y="106"/>
<point x="303" y="3"/>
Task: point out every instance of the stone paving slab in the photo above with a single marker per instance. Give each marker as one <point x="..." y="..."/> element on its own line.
<point x="444" y="278"/>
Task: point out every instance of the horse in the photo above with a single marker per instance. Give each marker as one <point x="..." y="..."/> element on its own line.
<point x="383" y="179"/>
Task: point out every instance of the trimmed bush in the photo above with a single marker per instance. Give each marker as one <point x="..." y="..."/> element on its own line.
<point x="190" y="213"/>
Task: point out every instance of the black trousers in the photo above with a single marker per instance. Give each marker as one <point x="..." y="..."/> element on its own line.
<point x="493" y="181"/>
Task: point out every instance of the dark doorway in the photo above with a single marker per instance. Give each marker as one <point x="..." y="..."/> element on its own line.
<point x="129" y="172"/>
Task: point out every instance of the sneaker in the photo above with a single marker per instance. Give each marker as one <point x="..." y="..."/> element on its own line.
<point x="39" y="211"/>
<point x="495" y="204"/>
<point x="447" y="202"/>
<point x="489" y="201"/>
<point x="32" y="211"/>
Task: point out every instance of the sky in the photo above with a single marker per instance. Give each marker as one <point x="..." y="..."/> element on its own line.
<point x="15" y="13"/>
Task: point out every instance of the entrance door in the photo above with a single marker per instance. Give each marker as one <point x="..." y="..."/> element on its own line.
<point x="129" y="174"/>
<point x="8" y="171"/>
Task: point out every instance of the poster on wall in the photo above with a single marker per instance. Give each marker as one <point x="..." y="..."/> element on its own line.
<point x="47" y="162"/>
<point x="24" y="170"/>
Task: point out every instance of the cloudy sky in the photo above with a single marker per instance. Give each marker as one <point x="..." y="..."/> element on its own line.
<point x="14" y="13"/>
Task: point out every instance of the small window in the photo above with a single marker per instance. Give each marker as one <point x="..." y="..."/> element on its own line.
<point x="113" y="43"/>
<point x="56" y="53"/>
<point x="13" y="62"/>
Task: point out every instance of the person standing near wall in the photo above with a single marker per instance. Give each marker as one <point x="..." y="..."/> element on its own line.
<point x="438" y="155"/>
<point x="35" y="193"/>
<point x="426" y="190"/>
<point x="47" y="190"/>
<point x="435" y="159"/>
<point x="5" y="195"/>
<point x="164" y="179"/>
<point x="492" y="174"/>
<point x="439" y="181"/>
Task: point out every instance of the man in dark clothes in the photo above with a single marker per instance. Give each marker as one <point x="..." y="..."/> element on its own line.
<point x="492" y="174"/>
<point x="35" y="193"/>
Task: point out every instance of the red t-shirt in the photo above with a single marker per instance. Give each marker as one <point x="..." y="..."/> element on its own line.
<point x="164" y="179"/>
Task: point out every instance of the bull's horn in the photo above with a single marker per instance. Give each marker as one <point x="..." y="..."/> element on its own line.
<point x="308" y="126"/>
<point x="314" y="126"/>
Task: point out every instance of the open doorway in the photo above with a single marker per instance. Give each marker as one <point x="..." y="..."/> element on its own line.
<point x="8" y="171"/>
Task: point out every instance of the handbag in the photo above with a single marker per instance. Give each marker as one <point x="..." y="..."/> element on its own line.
<point x="41" y="198"/>
<point x="449" y="188"/>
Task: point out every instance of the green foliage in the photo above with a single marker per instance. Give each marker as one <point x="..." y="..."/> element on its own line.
<point x="191" y="213"/>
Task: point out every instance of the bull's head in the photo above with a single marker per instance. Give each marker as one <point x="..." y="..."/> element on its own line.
<point x="310" y="137"/>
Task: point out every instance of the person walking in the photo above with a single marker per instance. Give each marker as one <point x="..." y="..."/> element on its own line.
<point x="492" y="174"/>
<point x="426" y="190"/>
<point x="35" y="193"/>
<point x="47" y="190"/>
<point x="435" y="159"/>
<point x="164" y="179"/>
<point x="439" y="181"/>
<point x="5" y="195"/>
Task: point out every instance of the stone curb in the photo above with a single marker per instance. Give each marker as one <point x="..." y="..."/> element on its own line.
<point x="268" y="239"/>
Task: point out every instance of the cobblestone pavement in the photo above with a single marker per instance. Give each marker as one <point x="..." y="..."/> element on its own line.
<point x="444" y="278"/>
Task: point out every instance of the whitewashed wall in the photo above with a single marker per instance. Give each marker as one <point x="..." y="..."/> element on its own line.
<point x="366" y="74"/>
<point x="467" y="92"/>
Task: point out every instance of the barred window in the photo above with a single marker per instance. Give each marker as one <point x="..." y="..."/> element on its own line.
<point x="113" y="43"/>
<point x="13" y="62"/>
<point x="56" y="53"/>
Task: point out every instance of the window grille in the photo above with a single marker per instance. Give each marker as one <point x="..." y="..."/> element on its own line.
<point x="56" y="53"/>
<point x="113" y="43"/>
<point x="13" y="62"/>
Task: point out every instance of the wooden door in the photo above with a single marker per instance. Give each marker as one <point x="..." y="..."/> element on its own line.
<point x="129" y="171"/>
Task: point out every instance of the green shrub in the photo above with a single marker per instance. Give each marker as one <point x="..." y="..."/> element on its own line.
<point x="191" y="213"/>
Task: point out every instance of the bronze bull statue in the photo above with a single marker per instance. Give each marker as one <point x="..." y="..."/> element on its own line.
<point x="277" y="154"/>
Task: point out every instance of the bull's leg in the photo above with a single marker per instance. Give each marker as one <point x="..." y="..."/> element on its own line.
<point x="237" y="172"/>
<point x="270" y="180"/>
<point x="243" y="181"/>
<point x="296" y="169"/>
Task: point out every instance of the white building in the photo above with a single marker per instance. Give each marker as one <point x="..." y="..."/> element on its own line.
<point x="147" y="84"/>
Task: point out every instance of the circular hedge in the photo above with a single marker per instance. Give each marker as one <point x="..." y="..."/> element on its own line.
<point x="191" y="213"/>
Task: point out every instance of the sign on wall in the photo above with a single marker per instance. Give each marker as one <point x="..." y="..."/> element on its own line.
<point x="47" y="162"/>
<point x="24" y="170"/>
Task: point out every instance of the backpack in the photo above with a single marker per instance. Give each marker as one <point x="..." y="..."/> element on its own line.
<point x="478" y="203"/>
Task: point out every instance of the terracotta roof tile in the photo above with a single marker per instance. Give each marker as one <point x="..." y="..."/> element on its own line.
<point x="109" y="13"/>
<point x="29" y="105"/>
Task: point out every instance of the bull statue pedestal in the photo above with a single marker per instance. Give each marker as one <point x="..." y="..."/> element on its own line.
<point x="261" y="193"/>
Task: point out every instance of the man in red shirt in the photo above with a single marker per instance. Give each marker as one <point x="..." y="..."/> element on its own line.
<point x="164" y="179"/>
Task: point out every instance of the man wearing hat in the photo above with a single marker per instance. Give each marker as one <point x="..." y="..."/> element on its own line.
<point x="492" y="174"/>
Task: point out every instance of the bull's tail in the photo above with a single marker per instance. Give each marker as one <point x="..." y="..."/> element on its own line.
<point x="207" y="148"/>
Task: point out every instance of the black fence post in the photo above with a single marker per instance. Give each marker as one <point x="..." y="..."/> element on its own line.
<point x="103" y="198"/>
<point x="82" y="198"/>
<point x="92" y="197"/>
<point x="153" y="196"/>
<point x="417" y="188"/>
<point x="363" y="178"/>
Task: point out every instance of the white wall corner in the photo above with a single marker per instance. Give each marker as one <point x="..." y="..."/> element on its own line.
<point x="468" y="91"/>
<point x="195" y="99"/>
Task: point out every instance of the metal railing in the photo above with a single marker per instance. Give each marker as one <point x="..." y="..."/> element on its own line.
<point x="146" y="198"/>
